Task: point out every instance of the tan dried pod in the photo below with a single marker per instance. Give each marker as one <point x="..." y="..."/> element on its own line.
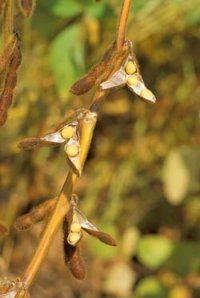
<point x="89" y="80"/>
<point x="23" y="222"/>
<point x="6" y="95"/>
<point x="103" y="237"/>
<point x="26" y="7"/>
<point x="34" y="143"/>
<point x="37" y="214"/>
<point x="7" y="54"/>
<point x="3" y="230"/>
<point x="2" y="4"/>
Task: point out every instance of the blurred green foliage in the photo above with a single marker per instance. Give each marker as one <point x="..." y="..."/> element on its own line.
<point x="141" y="181"/>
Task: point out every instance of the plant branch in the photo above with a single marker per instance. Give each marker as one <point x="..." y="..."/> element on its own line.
<point x="8" y="20"/>
<point x="62" y="206"/>
<point x="123" y="23"/>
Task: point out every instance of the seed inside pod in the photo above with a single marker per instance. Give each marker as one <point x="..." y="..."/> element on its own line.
<point x="67" y="132"/>
<point x="75" y="228"/>
<point x="130" y="67"/>
<point x="146" y="93"/>
<point x="133" y="80"/>
<point x="73" y="238"/>
<point x="71" y="150"/>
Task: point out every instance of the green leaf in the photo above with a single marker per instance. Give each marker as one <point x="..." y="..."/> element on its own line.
<point x="150" y="288"/>
<point x="98" y="10"/>
<point x="193" y="16"/>
<point x="185" y="258"/>
<point x="63" y="8"/>
<point x="154" y="251"/>
<point x="67" y="58"/>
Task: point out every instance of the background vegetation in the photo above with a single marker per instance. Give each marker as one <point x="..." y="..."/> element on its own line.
<point x="141" y="182"/>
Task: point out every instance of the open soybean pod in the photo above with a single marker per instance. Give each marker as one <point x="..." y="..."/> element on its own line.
<point x="51" y="139"/>
<point x="128" y="74"/>
<point x="135" y="81"/>
<point x="115" y="63"/>
<point x="73" y="257"/>
<point x="118" y="79"/>
<point x="74" y="227"/>
<point x="92" y="230"/>
<point x="73" y="151"/>
<point x="59" y="135"/>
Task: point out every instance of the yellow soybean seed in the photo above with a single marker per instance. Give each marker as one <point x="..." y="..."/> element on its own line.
<point x="146" y="93"/>
<point x="72" y="150"/>
<point x="67" y="132"/>
<point x="75" y="228"/>
<point x="73" y="238"/>
<point x="130" y="67"/>
<point x="133" y="80"/>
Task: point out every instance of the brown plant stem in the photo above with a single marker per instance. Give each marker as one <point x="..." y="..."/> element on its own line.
<point x="8" y="20"/>
<point x="87" y="128"/>
<point x="120" y="38"/>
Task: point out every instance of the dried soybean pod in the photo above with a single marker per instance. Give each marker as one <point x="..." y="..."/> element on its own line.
<point x="73" y="256"/>
<point x="10" y="82"/>
<point x="34" y="143"/>
<point x="23" y="222"/>
<point x="30" y="143"/>
<point x="26" y="7"/>
<point x="3" y="230"/>
<point x="37" y="214"/>
<point x="89" y="80"/>
<point x="7" y="54"/>
<point x="2" y="4"/>
<point x="103" y="237"/>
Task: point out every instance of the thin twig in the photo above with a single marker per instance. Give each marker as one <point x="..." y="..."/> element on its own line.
<point x="120" y="38"/>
